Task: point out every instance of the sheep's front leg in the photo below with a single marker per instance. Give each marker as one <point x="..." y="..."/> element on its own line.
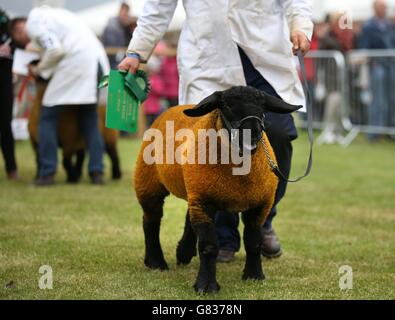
<point x="112" y="152"/>
<point x="253" y="244"/>
<point x="204" y="227"/>
<point x="153" y="212"/>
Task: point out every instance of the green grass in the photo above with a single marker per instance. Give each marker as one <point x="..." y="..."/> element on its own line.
<point x="344" y="214"/>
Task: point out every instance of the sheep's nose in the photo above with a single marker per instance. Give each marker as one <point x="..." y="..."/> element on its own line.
<point x="248" y="149"/>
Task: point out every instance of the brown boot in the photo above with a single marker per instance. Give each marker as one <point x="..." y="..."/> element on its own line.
<point x="47" y="181"/>
<point x="13" y="176"/>
<point x="97" y="178"/>
<point x="225" y="256"/>
<point x="271" y="247"/>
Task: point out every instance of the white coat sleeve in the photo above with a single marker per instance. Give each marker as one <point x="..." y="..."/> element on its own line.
<point x="151" y="26"/>
<point x="299" y="15"/>
<point x="48" y="41"/>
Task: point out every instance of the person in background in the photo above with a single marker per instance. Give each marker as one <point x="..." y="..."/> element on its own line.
<point x="118" y="32"/>
<point x="169" y="72"/>
<point x="338" y="38"/>
<point x="72" y="60"/>
<point x="391" y="122"/>
<point x="378" y="33"/>
<point x="6" y="98"/>
<point x="392" y="20"/>
<point x="153" y="104"/>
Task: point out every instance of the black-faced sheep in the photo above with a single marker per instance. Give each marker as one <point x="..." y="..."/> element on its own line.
<point x="211" y="187"/>
<point x="70" y="137"/>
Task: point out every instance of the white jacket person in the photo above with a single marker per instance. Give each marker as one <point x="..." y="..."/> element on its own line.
<point x="208" y="57"/>
<point x="71" y="56"/>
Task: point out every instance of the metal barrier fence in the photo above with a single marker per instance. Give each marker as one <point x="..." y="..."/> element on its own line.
<point x="352" y="94"/>
<point x="327" y="78"/>
<point x="372" y="91"/>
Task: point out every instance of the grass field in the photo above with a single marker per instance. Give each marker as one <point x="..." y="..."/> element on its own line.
<point x="344" y="214"/>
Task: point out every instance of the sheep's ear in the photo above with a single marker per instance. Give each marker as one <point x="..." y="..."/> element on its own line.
<point x="274" y="104"/>
<point x="206" y="106"/>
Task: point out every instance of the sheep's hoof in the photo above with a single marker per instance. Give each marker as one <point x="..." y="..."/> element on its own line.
<point x="73" y="177"/>
<point x="156" y="264"/>
<point x="204" y="287"/>
<point x="256" y="275"/>
<point x="185" y="253"/>
<point x="183" y="262"/>
<point x="72" y="181"/>
<point x="116" y="175"/>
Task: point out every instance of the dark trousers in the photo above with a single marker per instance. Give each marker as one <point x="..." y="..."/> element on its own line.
<point x="48" y="132"/>
<point x="6" y="104"/>
<point x="281" y="131"/>
<point x="150" y="119"/>
<point x="172" y="102"/>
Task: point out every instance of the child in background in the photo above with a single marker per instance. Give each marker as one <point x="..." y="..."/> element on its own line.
<point x="169" y="71"/>
<point x="153" y="104"/>
<point x="167" y="50"/>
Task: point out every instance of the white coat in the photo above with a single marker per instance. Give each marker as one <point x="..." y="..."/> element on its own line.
<point x="208" y="57"/>
<point x="74" y="74"/>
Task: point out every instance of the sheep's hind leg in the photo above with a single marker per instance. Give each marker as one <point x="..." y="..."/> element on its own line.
<point x="116" y="168"/>
<point x="68" y="167"/>
<point x="202" y="223"/>
<point x="253" y="243"/>
<point x="35" y="149"/>
<point x="186" y="248"/>
<point x="79" y="163"/>
<point x="153" y="212"/>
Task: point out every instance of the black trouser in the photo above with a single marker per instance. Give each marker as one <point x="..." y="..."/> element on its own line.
<point x="281" y="131"/>
<point x="6" y="103"/>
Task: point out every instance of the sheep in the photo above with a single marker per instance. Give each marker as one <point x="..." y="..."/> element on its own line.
<point x="211" y="187"/>
<point x="70" y="137"/>
<point x="110" y="137"/>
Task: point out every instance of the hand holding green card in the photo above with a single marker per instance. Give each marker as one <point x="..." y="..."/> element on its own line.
<point x="126" y="92"/>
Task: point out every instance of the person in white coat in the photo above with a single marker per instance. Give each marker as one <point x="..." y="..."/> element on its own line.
<point x="72" y="60"/>
<point x="226" y="43"/>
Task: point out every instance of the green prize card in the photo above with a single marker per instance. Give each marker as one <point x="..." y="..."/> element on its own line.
<point x="126" y="93"/>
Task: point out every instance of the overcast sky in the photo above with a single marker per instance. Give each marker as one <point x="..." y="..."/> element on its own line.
<point x="22" y="7"/>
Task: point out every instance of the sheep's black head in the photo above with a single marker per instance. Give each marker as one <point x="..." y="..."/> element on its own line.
<point x="242" y="108"/>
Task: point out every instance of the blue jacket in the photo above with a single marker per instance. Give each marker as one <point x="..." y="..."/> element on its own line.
<point x="377" y="34"/>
